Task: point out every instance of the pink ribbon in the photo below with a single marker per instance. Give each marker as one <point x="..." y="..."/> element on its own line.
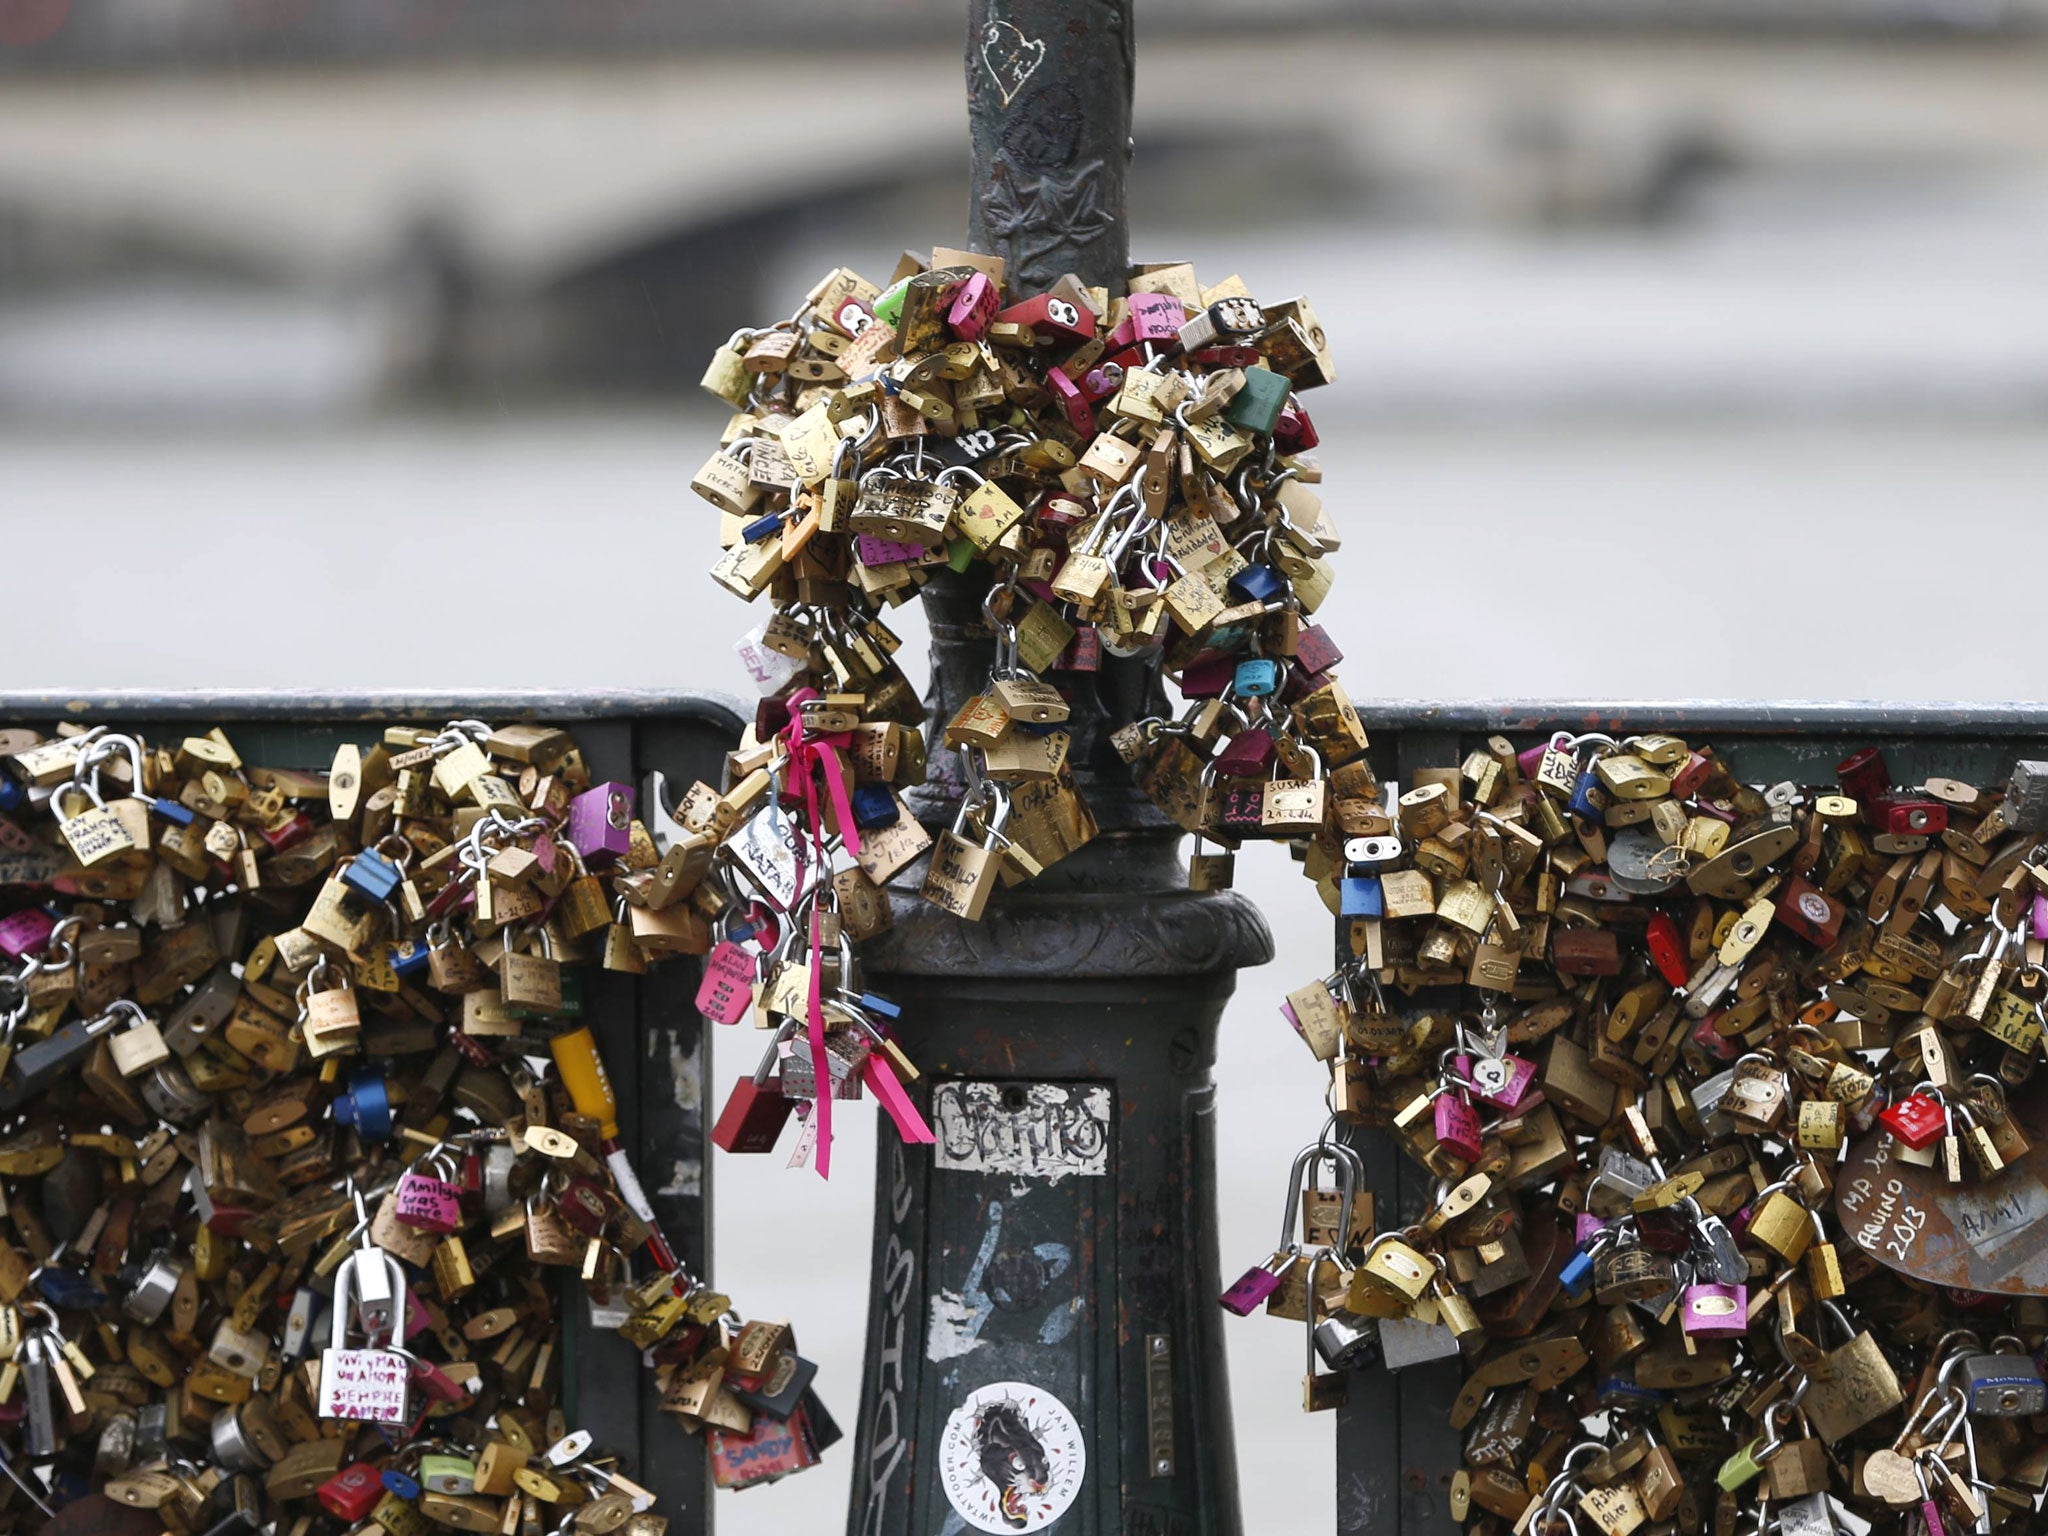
<point x="910" y="1125"/>
<point x="809" y="759"/>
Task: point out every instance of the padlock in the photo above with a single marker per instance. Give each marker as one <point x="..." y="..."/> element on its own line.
<point x="366" y="1383"/>
<point x="962" y="875"/>
<point x="757" y="1109"/>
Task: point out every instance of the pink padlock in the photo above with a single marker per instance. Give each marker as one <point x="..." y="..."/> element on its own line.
<point x="28" y="929"/>
<point x="1079" y="413"/>
<point x="973" y="307"/>
<point x="430" y="1201"/>
<point x="1155" y="317"/>
<point x="1586" y="1227"/>
<point x="1715" y="1311"/>
<point x="2040" y="923"/>
<point x="1458" y="1130"/>
<point x="727" y="990"/>
<point x="1501" y="1081"/>
<point x="1712" y="1041"/>
<point x="1252" y="1288"/>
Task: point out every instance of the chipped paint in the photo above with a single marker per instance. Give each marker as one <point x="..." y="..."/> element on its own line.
<point x="957" y="1317"/>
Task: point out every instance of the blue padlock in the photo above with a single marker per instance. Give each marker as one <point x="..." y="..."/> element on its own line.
<point x="12" y="795"/>
<point x="1588" y="798"/>
<point x="372" y="876"/>
<point x="1360" y="896"/>
<point x="880" y="1007"/>
<point x="874" y="806"/>
<point x="1255" y="678"/>
<point x="1625" y="1393"/>
<point x="366" y="1106"/>
<point x="1577" y="1275"/>
<point x="69" y="1290"/>
<point x="171" y="811"/>
<point x="409" y="958"/>
<point x="1257" y="584"/>
<point x="397" y="1482"/>
<point x="762" y="528"/>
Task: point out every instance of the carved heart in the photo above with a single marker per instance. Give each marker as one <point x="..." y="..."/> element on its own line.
<point x="1010" y="57"/>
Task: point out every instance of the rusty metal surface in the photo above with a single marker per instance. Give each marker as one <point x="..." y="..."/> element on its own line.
<point x="1987" y="1235"/>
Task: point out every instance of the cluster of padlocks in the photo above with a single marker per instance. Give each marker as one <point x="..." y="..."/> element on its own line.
<point x="1712" y="1077"/>
<point x="1727" y="1228"/>
<point x="1129" y="470"/>
<point x="306" y="1150"/>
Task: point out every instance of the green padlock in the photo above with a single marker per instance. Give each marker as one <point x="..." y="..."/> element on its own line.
<point x="448" y="1474"/>
<point x="1745" y="1466"/>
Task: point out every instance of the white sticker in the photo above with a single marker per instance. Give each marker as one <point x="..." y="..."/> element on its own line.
<point x="1026" y="1130"/>
<point x="1011" y="1458"/>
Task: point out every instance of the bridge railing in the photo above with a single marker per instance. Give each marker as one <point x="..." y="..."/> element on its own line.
<point x="1396" y="1449"/>
<point x="647" y="1027"/>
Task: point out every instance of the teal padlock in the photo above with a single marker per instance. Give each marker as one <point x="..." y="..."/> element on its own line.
<point x="1257" y="406"/>
<point x="1255" y="678"/>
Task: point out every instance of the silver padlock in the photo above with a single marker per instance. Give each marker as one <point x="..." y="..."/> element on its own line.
<point x="1406" y="1341"/>
<point x="1347" y="1341"/>
<point x="2003" y="1386"/>
<point x="152" y="1292"/>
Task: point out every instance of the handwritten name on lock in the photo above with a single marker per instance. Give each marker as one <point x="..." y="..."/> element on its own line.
<point x="367" y="1385"/>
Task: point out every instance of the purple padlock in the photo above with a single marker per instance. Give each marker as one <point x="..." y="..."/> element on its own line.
<point x="1715" y="1311"/>
<point x="1458" y="1130"/>
<point x="1207" y="677"/>
<point x="428" y="1202"/>
<point x="28" y="929"/>
<point x="874" y="551"/>
<point x="1585" y="1227"/>
<point x="601" y="822"/>
<point x="1252" y="1288"/>
<point x="1247" y="755"/>
<point x="2040" y="928"/>
<point x="727" y="990"/>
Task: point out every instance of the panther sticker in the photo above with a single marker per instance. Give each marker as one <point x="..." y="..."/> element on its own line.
<point x="1011" y="1458"/>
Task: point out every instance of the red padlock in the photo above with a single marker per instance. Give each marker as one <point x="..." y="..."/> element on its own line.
<point x="1247" y="755"/>
<point x="352" y="1492"/>
<point x="1906" y="818"/>
<point x="1667" y="948"/>
<point x="1050" y="315"/>
<point x="1864" y="777"/>
<point x="1810" y="912"/>
<point x="1458" y="1130"/>
<point x="754" y="1116"/>
<point x="1916" y="1120"/>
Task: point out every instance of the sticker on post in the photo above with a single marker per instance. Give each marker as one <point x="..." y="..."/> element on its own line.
<point x="1025" y="1130"/>
<point x="1011" y="1458"/>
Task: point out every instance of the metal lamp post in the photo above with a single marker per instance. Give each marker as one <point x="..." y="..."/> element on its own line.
<point x="1044" y="1342"/>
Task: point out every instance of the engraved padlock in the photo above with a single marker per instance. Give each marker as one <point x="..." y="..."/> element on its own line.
<point x="430" y="1200"/>
<point x="366" y="1383"/>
